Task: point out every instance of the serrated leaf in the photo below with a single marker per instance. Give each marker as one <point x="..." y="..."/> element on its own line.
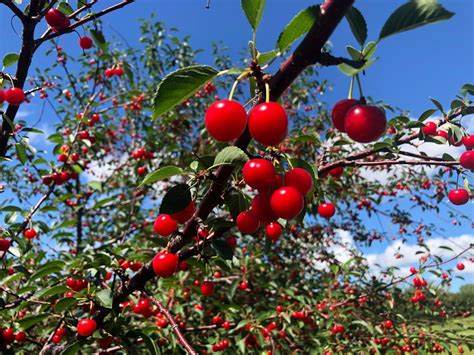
<point x="176" y="199"/>
<point x="426" y="114"/>
<point x="354" y="53"/>
<point x="357" y="24"/>
<point x="414" y="14"/>
<point x="231" y="156"/>
<point x="10" y="59"/>
<point x="263" y="58"/>
<point x="298" y="26"/>
<point x="253" y="10"/>
<point x="105" y="298"/>
<point x="437" y="104"/>
<point x="161" y="174"/>
<point x="51" y="291"/>
<point x="65" y="8"/>
<point x="179" y="85"/>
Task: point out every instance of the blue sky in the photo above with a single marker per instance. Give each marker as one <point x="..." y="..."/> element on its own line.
<point x="435" y="60"/>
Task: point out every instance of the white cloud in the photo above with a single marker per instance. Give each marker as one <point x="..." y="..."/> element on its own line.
<point x="101" y="170"/>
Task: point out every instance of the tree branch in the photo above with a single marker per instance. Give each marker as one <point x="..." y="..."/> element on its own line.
<point x="14" y="9"/>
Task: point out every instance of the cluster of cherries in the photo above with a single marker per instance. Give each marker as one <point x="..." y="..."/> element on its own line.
<point x="361" y="122"/>
<point x="13" y="96"/>
<point x="8" y="336"/>
<point x="114" y="71"/>
<point x="221" y="346"/>
<point x="58" y="21"/>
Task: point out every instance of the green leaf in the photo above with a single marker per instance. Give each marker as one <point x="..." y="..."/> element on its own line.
<point x="10" y="59"/>
<point x="176" y="199"/>
<point x="231" y="156"/>
<point x="56" y="138"/>
<point x="298" y="26"/>
<point x="236" y="203"/>
<point x="253" y="9"/>
<point x="65" y="8"/>
<point x="426" y="114"/>
<point x="354" y="53"/>
<point x="105" y="298"/>
<point x="65" y="303"/>
<point x="28" y="322"/>
<point x="222" y="248"/>
<point x="414" y="14"/>
<point x="21" y="153"/>
<point x="415" y="124"/>
<point x="99" y="39"/>
<point x="369" y="50"/>
<point x="72" y="349"/>
<point x="448" y="157"/>
<point x="105" y="202"/>
<point x="50" y="267"/>
<point x="357" y="24"/>
<point x="150" y="344"/>
<point x="51" y="291"/>
<point x="437" y="104"/>
<point x="179" y="85"/>
<point x="161" y="174"/>
<point x="265" y="57"/>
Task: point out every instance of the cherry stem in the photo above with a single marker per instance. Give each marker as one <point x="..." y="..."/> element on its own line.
<point x="234" y="86"/>
<point x="359" y="85"/>
<point x="351" y="88"/>
<point x="267" y="92"/>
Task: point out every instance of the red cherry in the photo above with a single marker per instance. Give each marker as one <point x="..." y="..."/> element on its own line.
<point x="232" y="241"/>
<point x="339" y="112"/>
<point x="85" y="42"/>
<point x="441" y="133"/>
<point x="71" y="283"/>
<point x="273" y="230"/>
<point x="326" y="210"/>
<point x="365" y="123"/>
<point x="56" y="19"/>
<point x="207" y="288"/>
<point x="141" y="170"/>
<point x="460" y="266"/>
<point x="244" y="285"/>
<point x="287" y="202"/>
<point x="86" y="327"/>
<point x="62" y="158"/>
<point x="388" y="323"/>
<point x="184" y="265"/>
<point x="468" y="141"/>
<point x="299" y="179"/>
<point x="15" y="96"/>
<point x="247" y="222"/>
<point x="29" y="233"/>
<point x="5" y="244"/>
<point x="259" y="173"/>
<point x="83" y="135"/>
<point x="458" y="196"/>
<point x="185" y="215"/>
<point x="104" y="343"/>
<point x="268" y="123"/>
<point x="165" y="265"/>
<point x="467" y="159"/>
<point x="261" y="208"/>
<point x="135" y="266"/>
<point x="430" y="128"/>
<point x="2" y="96"/>
<point x="336" y="172"/>
<point x="56" y="338"/>
<point x="162" y="322"/>
<point x="118" y="71"/>
<point x="20" y="337"/>
<point x="413" y="270"/>
<point x="225" y="120"/>
<point x="8" y="335"/>
<point x="164" y="225"/>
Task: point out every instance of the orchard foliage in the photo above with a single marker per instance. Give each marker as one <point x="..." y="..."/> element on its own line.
<point x="205" y="207"/>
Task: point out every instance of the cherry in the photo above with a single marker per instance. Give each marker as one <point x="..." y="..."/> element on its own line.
<point x="365" y="123"/>
<point x="300" y="179"/>
<point x="441" y="133"/>
<point x="244" y="285"/>
<point x="268" y="123"/>
<point x="185" y="215"/>
<point x="56" y="19"/>
<point x="184" y="265"/>
<point x="388" y="323"/>
<point x="104" y="343"/>
<point x="86" y="327"/>
<point x="71" y="283"/>
<point x="83" y="135"/>
<point x="458" y="196"/>
<point x="468" y="141"/>
<point x="5" y="244"/>
<point x="29" y="233"/>
<point x="56" y="338"/>
<point x="273" y="230"/>
<point x="165" y="265"/>
<point x="225" y="120"/>
<point x="413" y="270"/>
<point x="287" y="202"/>
<point x="247" y="222"/>
<point x="118" y="71"/>
<point x="62" y="158"/>
<point x="164" y="225"/>
<point x="207" y="288"/>
<point x="141" y="170"/>
<point x="460" y="266"/>
<point x="430" y="128"/>
<point x="85" y="42"/>
<point x="326" y="210"/>
<point x="339" y="112"/>
<point x="258" y="173"/>
<point x="162" y="322"/>
<point x="8" y="335"/>
<point x="136" y="265"/>
<point x="232" y="241"/>
<point x="467" y="159"/>
<point x="261" y="208"/>
<point x="279" y="308"/>
<point x="20" y="337"/>
<point x="2" y="96"/>
<point x="15" y="96"/>
<point x="336" y="172"/>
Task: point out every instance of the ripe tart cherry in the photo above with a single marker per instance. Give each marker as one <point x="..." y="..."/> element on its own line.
<point x="339" y="112"/>
<point x="430" y="128"/>
<point x="4" y="244"/>
<point x="261" y="208"/>
<point x="299" y="179"/>
<point x="326" y="210"/>
<point x="85" y="42"/>
<point x="458" y="196"/>
<point x="225" y="120"/>
<point x="86" y="327"/>
<point x="460" y="266"/>
<point x="467" y="141"/>
<point x="273" y="231"/>
<point x="164" y="225"/>
<point x="56" y="19"/>
<point x="268" y="123"/>
<point x="8" y="335"/>
<point x="165" y="265"/>
<point x="15" y="96"/>
<point x="287" y="202"/>
<point x="258" y="173"/>
<point x="365" y="123"/>
<point x="184" y="215"/>
<point x="467" y="159"/>
<point x="247" y="222"/>
<point x="29" y="233"/>
<point x="207" y="288"/>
